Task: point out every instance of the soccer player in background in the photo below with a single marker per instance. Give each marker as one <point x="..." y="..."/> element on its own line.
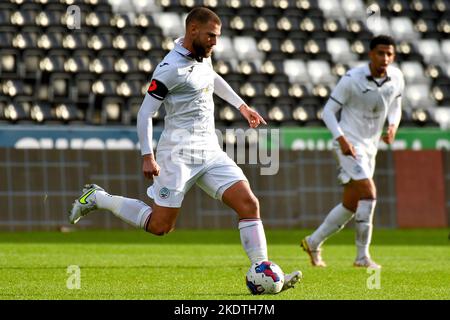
<point x="188" y="151"/>
<point x="366" y="97"/>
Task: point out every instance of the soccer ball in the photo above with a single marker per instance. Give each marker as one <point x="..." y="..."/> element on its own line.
<point x="265" y="277"/>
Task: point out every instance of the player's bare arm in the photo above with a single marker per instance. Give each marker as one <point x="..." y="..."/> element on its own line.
<point x="346" y="147"/>
<point x="149" y="166"/>
<point x="253" y="117"/>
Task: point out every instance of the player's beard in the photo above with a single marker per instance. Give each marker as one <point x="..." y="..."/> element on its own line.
<point x="201" y="50"/>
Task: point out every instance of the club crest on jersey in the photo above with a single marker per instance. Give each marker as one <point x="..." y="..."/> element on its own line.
<point x="164" y="193"/>
<point x="357" y="169"/>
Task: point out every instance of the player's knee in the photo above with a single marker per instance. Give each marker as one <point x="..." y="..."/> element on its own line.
<point x="251" y="206"/>
<point x="367" y="190"/>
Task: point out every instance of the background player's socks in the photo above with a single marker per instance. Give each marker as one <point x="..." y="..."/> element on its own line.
<point x="334" y="222"/>
<point x="363" y="227"/>
<point x="132" y="211"/>
<point x="253" y="239"/>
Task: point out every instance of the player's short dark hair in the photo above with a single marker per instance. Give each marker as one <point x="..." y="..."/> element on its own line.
<point x="382" y="39"/>
<point x="202" y="15"/>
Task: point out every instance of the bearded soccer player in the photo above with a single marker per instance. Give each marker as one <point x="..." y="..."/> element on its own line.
<point x="366" y="96"/>
<point x="188" y="151"/>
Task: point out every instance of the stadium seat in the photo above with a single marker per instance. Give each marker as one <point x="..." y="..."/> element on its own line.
<point x="442" y="116"/>
<point x="59" y="88"/>
<point x="223" y="67"/>
<point x="146" y="6"/>
<point x="399" y="7"/>
<point x="113" y="111"/>
<point x="97" y="19"/>
<point x="18" y="111"/>
<point x="383" y="27"/>
<point x="10" y="63"/>
<point x="339" y="49"/>
<point x="354" y="9"/>
<point x="335" y="29"/>
<point x="302" y="115"/>
<point x="246" y="48"/>
<point x="26" y="15"/>
<point x="418" y="95"/>
<point x="265" y="23"/>
<point x="69" y="113"/>
<point x="441" y="93"/>
<point x="423" y="9"/>
<point x="403" y="29"/>
<point x="248" y="67"/>
<point x="430" y="50"/>
<point x="296" y="71"/>
<point x="224" y="49"/>
<point x="445" y="49"/>
<point x="320" y="72"/>
<point x="170" y="23"/>
<point x="414" y="73"/>
<point x="288" y="23"/>
<point x="427" y="28"/>
<point x="83" y="87"/>
<point x="41" y="113"/>
<point x="331" y="8"/>
<point x="14" y="88"/>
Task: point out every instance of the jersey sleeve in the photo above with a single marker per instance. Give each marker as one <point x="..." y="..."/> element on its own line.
<point x="164" y="80"/>
<point x="224" y="91"/>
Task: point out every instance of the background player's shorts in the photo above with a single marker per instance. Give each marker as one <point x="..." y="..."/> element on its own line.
<point x="175" y="179"/>
<point x="349" y="168"/>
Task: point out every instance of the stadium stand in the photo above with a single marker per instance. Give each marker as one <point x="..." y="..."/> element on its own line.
<point x="283" y="56"/>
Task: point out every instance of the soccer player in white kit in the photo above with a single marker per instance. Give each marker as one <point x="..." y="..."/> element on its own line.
<point x="366" y="96"/>
<point x="188" y="151"/>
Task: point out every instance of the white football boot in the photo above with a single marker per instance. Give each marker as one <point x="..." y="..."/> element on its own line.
<point x="315" y="255"/>
<point x="291" y="279"/>
<point x="84" y="204"/>
<point x="366" y="262"/>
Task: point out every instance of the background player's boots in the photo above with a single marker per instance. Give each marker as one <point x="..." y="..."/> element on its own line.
<point x="315" y="255"/>
<point x="366" y="262"/>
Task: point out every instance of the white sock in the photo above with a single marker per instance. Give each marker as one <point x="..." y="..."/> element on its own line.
<point x="363" y="226"/>
<point x="253" y="239"/>
<point x="132" y="211"/>
<point x="334" y="222"/>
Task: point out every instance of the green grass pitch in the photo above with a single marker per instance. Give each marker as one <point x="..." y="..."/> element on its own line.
<point x="211" y="265"/>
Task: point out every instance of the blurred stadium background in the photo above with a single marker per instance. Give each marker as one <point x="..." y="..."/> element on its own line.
<point x="70" y="91"/>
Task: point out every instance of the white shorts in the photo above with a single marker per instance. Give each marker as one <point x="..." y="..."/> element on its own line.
<point x="175" y="179"/>
<point x="363" y="167"/>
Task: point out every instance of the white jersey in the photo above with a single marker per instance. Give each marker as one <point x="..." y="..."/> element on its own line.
<point x="366" y="103"/>
<point x="186" y="88"/>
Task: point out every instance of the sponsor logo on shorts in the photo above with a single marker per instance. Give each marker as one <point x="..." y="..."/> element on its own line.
<point x="164" y="193"/>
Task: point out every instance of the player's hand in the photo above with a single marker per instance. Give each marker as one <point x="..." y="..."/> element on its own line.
<point x="346" y="147"/>
<point x="149" y="166"/>
<point x="253" y="117"/>
<point x="389" y="136"/>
